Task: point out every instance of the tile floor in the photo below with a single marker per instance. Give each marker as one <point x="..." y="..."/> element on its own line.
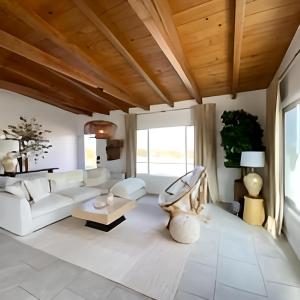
<point x="30" y="274"/>
<point x="231" y="261"/>
<point x="236" y="261"/>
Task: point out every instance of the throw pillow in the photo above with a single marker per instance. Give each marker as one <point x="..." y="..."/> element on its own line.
<point x="15" y="189"/>
<point x="38" y="188"/>
<point x="58" y="184"/>
<point x="8" y="181"/>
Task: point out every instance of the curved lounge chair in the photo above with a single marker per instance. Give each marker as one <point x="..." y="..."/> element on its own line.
<point x="186" y="194"/>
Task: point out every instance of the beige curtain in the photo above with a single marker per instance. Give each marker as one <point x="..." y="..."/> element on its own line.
<point x="273" y="187"/>
<point x="205" y="145"/>
<point x="130" y="125"/>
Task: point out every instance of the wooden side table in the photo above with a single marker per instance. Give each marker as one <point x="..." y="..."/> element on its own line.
<point x="254" y="212"/>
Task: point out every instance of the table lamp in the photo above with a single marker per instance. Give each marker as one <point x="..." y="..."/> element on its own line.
<point x="253" y="181"/>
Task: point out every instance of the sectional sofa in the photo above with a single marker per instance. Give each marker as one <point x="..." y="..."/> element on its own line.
<point x="29" y="203"/>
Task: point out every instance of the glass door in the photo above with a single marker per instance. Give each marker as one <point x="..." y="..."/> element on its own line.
<point x="291" y="156"/>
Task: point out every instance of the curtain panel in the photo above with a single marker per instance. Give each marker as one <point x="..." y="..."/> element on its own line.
<point x="130" y="126"/>
<point x="273" y="188"/>
<point x="205" y="145"/>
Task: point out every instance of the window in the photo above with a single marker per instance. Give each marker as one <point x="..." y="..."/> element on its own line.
<point x="291" y="156"/>
<point x="90" y="156"/>
<point x="167" y="151"/>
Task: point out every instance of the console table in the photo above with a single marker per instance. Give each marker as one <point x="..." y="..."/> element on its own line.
<point x="49" y="170"/>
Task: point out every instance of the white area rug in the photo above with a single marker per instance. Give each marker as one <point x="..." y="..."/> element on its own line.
<point x="138" y="253"/>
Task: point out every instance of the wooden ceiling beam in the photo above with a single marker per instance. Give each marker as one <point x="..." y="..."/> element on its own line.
<point x="239" y="19"/>
<point x="123" y="106"/>
<point x="16" y="70"/>
<point x="110" y="32"/>
<point x="51" y="86"/>
<point x="157" y="18"/>
<point x="45" y="80"/>
<point x="34" y="21"/>
<point x="17" y="46"/>
<point x="36" y="94"/>
<point x="93" y="92"/>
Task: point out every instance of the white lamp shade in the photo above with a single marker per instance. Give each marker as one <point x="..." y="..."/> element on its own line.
<point x="253" y="159"/>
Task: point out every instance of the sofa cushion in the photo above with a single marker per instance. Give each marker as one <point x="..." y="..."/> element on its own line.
<point x="127" y="186"/>
<point x="38" y="188"/>
<point x="49" y="204"/>
<point x="82" y="193"/>
<point x="97" y="176"/>
<point x="60" y="184"/>
<point x="6" y="182"/>
<point x="107" y="185"/>
<point x="15" y="189"/>
<point x="64" y="180"/>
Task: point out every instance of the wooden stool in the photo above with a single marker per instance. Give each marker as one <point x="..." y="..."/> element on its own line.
<point x="254" y="212"/>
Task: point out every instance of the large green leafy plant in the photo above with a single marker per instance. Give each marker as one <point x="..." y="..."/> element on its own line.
<point x="241" y="132"/>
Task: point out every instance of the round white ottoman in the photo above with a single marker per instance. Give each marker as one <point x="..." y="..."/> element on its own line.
<point x="185" y="229"/>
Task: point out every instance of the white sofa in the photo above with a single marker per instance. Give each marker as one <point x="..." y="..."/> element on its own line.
<point x="22" y="217"/>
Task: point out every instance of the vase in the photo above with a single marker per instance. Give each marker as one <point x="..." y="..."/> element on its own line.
<point x="110" y="199"/>
<point x="253" y="183"/>
<point x="9" y="163"/>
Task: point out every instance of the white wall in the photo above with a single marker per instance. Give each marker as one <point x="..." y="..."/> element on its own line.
<point x="66" y="128"/>
<point x="253" y="102"/>
<point x="61" y="123"/>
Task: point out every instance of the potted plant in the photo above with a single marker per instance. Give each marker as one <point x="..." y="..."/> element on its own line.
<point x="31" y="137"/>
<point x="241" y="132"/>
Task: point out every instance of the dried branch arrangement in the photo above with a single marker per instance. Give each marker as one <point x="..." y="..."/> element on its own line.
<point x="31" y="136"/>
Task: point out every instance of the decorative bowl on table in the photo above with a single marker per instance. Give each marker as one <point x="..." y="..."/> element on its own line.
<point x="104" y="200"/>
<point x="99" y="203"/>
<point x="110" y="199"/>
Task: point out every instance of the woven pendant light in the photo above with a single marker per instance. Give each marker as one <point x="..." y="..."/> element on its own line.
<point x="101" y="129"/>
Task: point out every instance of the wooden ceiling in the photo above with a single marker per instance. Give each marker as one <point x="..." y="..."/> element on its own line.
<point x="89" y="56"/>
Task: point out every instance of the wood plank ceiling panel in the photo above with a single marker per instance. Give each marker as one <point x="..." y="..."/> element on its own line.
<point x="52" y="40"/>
<point x="79" y="30"/>
<point x="64" y="33"/>
<point x="206" y="32"/>
<point x="41" y="78"/>
<point x="268" y="29"/>
<point x="111" y="32"/>
<point x="139" y="42"/>
<point x="157" y="18"/>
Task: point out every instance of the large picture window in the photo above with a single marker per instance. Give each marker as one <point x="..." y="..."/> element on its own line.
<point x="167" y="151"/>
<point x="291" y="156"/>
